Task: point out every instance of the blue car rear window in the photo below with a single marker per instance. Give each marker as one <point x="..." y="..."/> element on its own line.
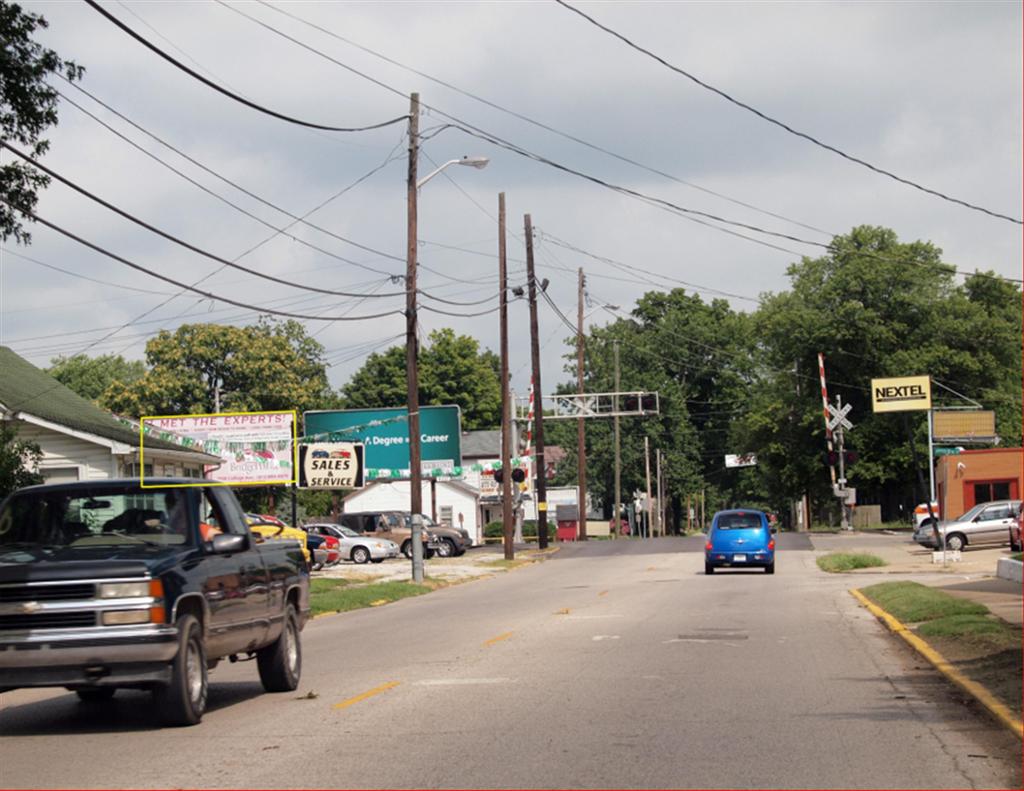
<point x="739" y="522"/>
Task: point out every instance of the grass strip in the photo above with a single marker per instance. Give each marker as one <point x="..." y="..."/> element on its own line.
<point x="847" y="561"/>
<point x="913" y="602"/>
<point x="336" y="595"/>
<point x="981" y="631"/>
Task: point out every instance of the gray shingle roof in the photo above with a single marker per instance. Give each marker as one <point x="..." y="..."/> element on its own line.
<point x="481" y="444"/>
<point x="25" y="388"/>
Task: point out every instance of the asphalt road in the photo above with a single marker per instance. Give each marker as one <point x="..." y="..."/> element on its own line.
<point x="618" y="664"/>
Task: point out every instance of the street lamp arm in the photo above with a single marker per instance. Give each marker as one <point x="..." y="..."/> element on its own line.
<point x="476" y="162"/>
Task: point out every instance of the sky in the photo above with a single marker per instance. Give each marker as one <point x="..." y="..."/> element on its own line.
<point x="929" y="91"/>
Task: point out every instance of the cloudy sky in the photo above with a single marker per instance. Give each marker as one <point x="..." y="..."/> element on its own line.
<point x="929" y="91"/>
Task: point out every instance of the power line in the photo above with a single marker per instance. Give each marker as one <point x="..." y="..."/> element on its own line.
<point x="179" y="284"/>
<point x="176" y="240"/>
<point x="541" y="125"/>
<point x="83" y="277"/>
<point x="782" y="125"/>
<point x="220" y="89"/>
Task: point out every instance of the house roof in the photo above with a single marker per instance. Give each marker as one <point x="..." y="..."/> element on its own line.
<point x="481" y="444"/>
<point x="25" y="389"/>
<point x="458" y="485"/>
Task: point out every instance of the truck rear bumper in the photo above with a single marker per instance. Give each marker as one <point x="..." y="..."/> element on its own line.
<point x="87" y="657"/>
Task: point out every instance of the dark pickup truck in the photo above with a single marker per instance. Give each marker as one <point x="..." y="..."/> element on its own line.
<point x="107" y="584"/>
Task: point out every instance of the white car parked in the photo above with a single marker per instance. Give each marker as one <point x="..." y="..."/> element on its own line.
<point x="355" y="546"/>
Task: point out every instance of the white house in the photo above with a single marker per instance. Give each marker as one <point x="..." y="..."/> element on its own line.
<point x="450" y="502"/>
<point x="79" y="440"/>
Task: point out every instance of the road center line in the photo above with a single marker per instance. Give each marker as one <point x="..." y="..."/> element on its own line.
<point x="497" y="639"/>
<point x="369" y="694"/>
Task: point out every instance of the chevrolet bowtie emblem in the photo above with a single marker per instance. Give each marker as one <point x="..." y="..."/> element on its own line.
<point x="29" y="607"/>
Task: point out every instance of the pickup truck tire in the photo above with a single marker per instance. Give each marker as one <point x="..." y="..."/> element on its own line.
<point x="280" y="663"/>
<point x="96" y="694"/>
<point x="183" y="700"/>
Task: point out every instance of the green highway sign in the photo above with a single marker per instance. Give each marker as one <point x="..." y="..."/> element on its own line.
<point x="947" y="451"/>
<point x="385" y="437"/>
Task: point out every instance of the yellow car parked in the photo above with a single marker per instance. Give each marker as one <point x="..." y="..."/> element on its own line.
<point x="268" y="531"/>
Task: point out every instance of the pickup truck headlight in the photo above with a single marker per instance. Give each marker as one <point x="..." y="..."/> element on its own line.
<point x="124" y="590"/>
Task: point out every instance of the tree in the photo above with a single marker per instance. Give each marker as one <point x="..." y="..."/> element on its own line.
<point x="91" y="377"/>
<point x="19" y="461"/>
<point x="453" y="370"/>
<point x="28" y="106"/>
<point x="266" y="366"/>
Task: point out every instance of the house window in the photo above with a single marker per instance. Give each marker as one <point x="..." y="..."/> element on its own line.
<point x="992" y="490"/>
<point x="132" y="470"/>
<point x="59" y="474"/>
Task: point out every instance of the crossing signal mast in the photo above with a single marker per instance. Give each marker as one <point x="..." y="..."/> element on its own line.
<point x="572" y="406"/>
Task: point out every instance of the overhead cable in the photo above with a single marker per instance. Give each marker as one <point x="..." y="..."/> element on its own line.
<point x="220" y="89"/>
<point x="178" y="283"/>
<point x="181" y="242"/>
<point x="782" y="125"/>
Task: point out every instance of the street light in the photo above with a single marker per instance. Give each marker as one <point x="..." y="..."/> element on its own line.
<point x="411" y="347"/>
<point x="474" y="162"/>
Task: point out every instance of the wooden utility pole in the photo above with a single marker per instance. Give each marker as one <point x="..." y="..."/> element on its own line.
<point x="647" y="467"/>
<point x="618" y="461"/>
<point x="581" y="432"/>
<point x="508" y="526"/>
<point x="411" y="348"/>
<point x="541" y="485"/>
<point x="661" y="507"/>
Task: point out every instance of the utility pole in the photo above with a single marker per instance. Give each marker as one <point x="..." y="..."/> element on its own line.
<point x="412" y="350"/>
<point x="541" y="485"/>
<point x="661" y="507"/>
<point x="647" y="467"/>
<point x="618" y="461"/>
<point x="506" y="433"/>
<point x="581" y="435"/>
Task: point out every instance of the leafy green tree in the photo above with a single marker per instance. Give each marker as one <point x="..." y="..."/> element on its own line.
<point x="91" y="377"/>
<point x="452" y="370"/>
<point x="266" y="366"/>
<point x="19" y="461"/>
<point x="28" y="106"/>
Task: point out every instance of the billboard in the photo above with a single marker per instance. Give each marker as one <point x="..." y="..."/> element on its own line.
<point x="964" y="425"/>
<point x="331" y="465"/>
<point x="384" y="434"/>
<point x="256" y="448"/>
<point x="741" y="460"/>
<point x="903" y="394"/>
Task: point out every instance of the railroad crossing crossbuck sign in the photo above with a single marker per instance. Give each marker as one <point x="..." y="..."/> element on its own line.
<point x="839" y="417"/>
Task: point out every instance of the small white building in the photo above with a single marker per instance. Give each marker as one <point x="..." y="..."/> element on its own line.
<point x="450" y="502"/>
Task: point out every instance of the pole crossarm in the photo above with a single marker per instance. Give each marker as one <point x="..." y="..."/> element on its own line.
<point x="572" y="406"/>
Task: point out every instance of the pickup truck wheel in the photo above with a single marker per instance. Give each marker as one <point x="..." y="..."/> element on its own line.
<point x="360" y="555"/>
<point x="280" y="663"/>
<point x="95" y="694"/>
<point x="407" y="549"/>
<point x="183" y="700"/>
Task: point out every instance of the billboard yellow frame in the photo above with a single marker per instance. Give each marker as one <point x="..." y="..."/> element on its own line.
<point x="206" y="482"/>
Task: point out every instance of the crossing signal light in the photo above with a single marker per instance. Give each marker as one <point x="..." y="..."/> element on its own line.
<point x="832" y="457"/>
<point x="649" y="402"/>
<point x="518" y="475"/>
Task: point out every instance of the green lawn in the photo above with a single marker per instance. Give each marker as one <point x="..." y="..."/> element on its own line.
<point x="338" y="595"/>
<point x="847" y="561"/>
<point x="912" y="602"/>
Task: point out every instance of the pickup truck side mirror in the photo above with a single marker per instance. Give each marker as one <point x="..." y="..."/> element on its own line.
<point x="228" y="544"/>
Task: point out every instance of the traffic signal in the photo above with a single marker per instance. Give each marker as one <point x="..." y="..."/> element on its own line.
<point x="649" y="402"/>
<point x="518" y="475"/>
<point x="631" y="403"/>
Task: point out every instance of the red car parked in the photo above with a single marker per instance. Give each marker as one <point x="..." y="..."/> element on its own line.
<point x="1017" y="530"/>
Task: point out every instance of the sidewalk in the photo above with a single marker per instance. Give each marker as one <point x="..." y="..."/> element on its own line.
<point x="972" y="577"/>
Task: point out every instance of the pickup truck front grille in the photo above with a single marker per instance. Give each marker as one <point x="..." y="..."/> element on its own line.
<point x="56" y="620"/>
<point x="76" y="591"/>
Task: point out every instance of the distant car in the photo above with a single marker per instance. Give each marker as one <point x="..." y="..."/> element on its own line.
<point x="392" y="526"/>
<point x="1017" y="530"/>
<point x="321" y="454"/>
<point x="355" y="546"/>
<point x="986" y="523"/>
<point x="452" y="542"/>
<point x="268" y="531"/>
<point x="921" y="515"/>
<point x="740" y="538"/>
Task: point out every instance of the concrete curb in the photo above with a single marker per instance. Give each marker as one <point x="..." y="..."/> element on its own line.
<point x="972" y="688"/>
<point x="1009" y="569"/>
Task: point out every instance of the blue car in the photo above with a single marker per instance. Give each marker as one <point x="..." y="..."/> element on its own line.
<point x="739" y="539"/>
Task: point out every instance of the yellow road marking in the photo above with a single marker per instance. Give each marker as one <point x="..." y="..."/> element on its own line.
<point x="375" y="691"/>
<point x="603" y="593"/>
<point x="982" y="695"/>
<point x="498" y="639"/>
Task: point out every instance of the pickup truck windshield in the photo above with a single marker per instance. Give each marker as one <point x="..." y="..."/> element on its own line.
<point x="94" y="518"/>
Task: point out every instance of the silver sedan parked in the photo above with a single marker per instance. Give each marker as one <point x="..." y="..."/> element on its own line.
<point x="986" y="523"/>
<point x="355" y="546"/>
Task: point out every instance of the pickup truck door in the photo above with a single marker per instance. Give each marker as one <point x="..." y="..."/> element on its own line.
<point x="238" y="592"/>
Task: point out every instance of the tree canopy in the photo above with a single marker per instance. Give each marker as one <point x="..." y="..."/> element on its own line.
<point x="91" y="377"/>
<point x="266" y="366"/>
<point x="28" y="107"/>
<point x="19" y="461"/>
